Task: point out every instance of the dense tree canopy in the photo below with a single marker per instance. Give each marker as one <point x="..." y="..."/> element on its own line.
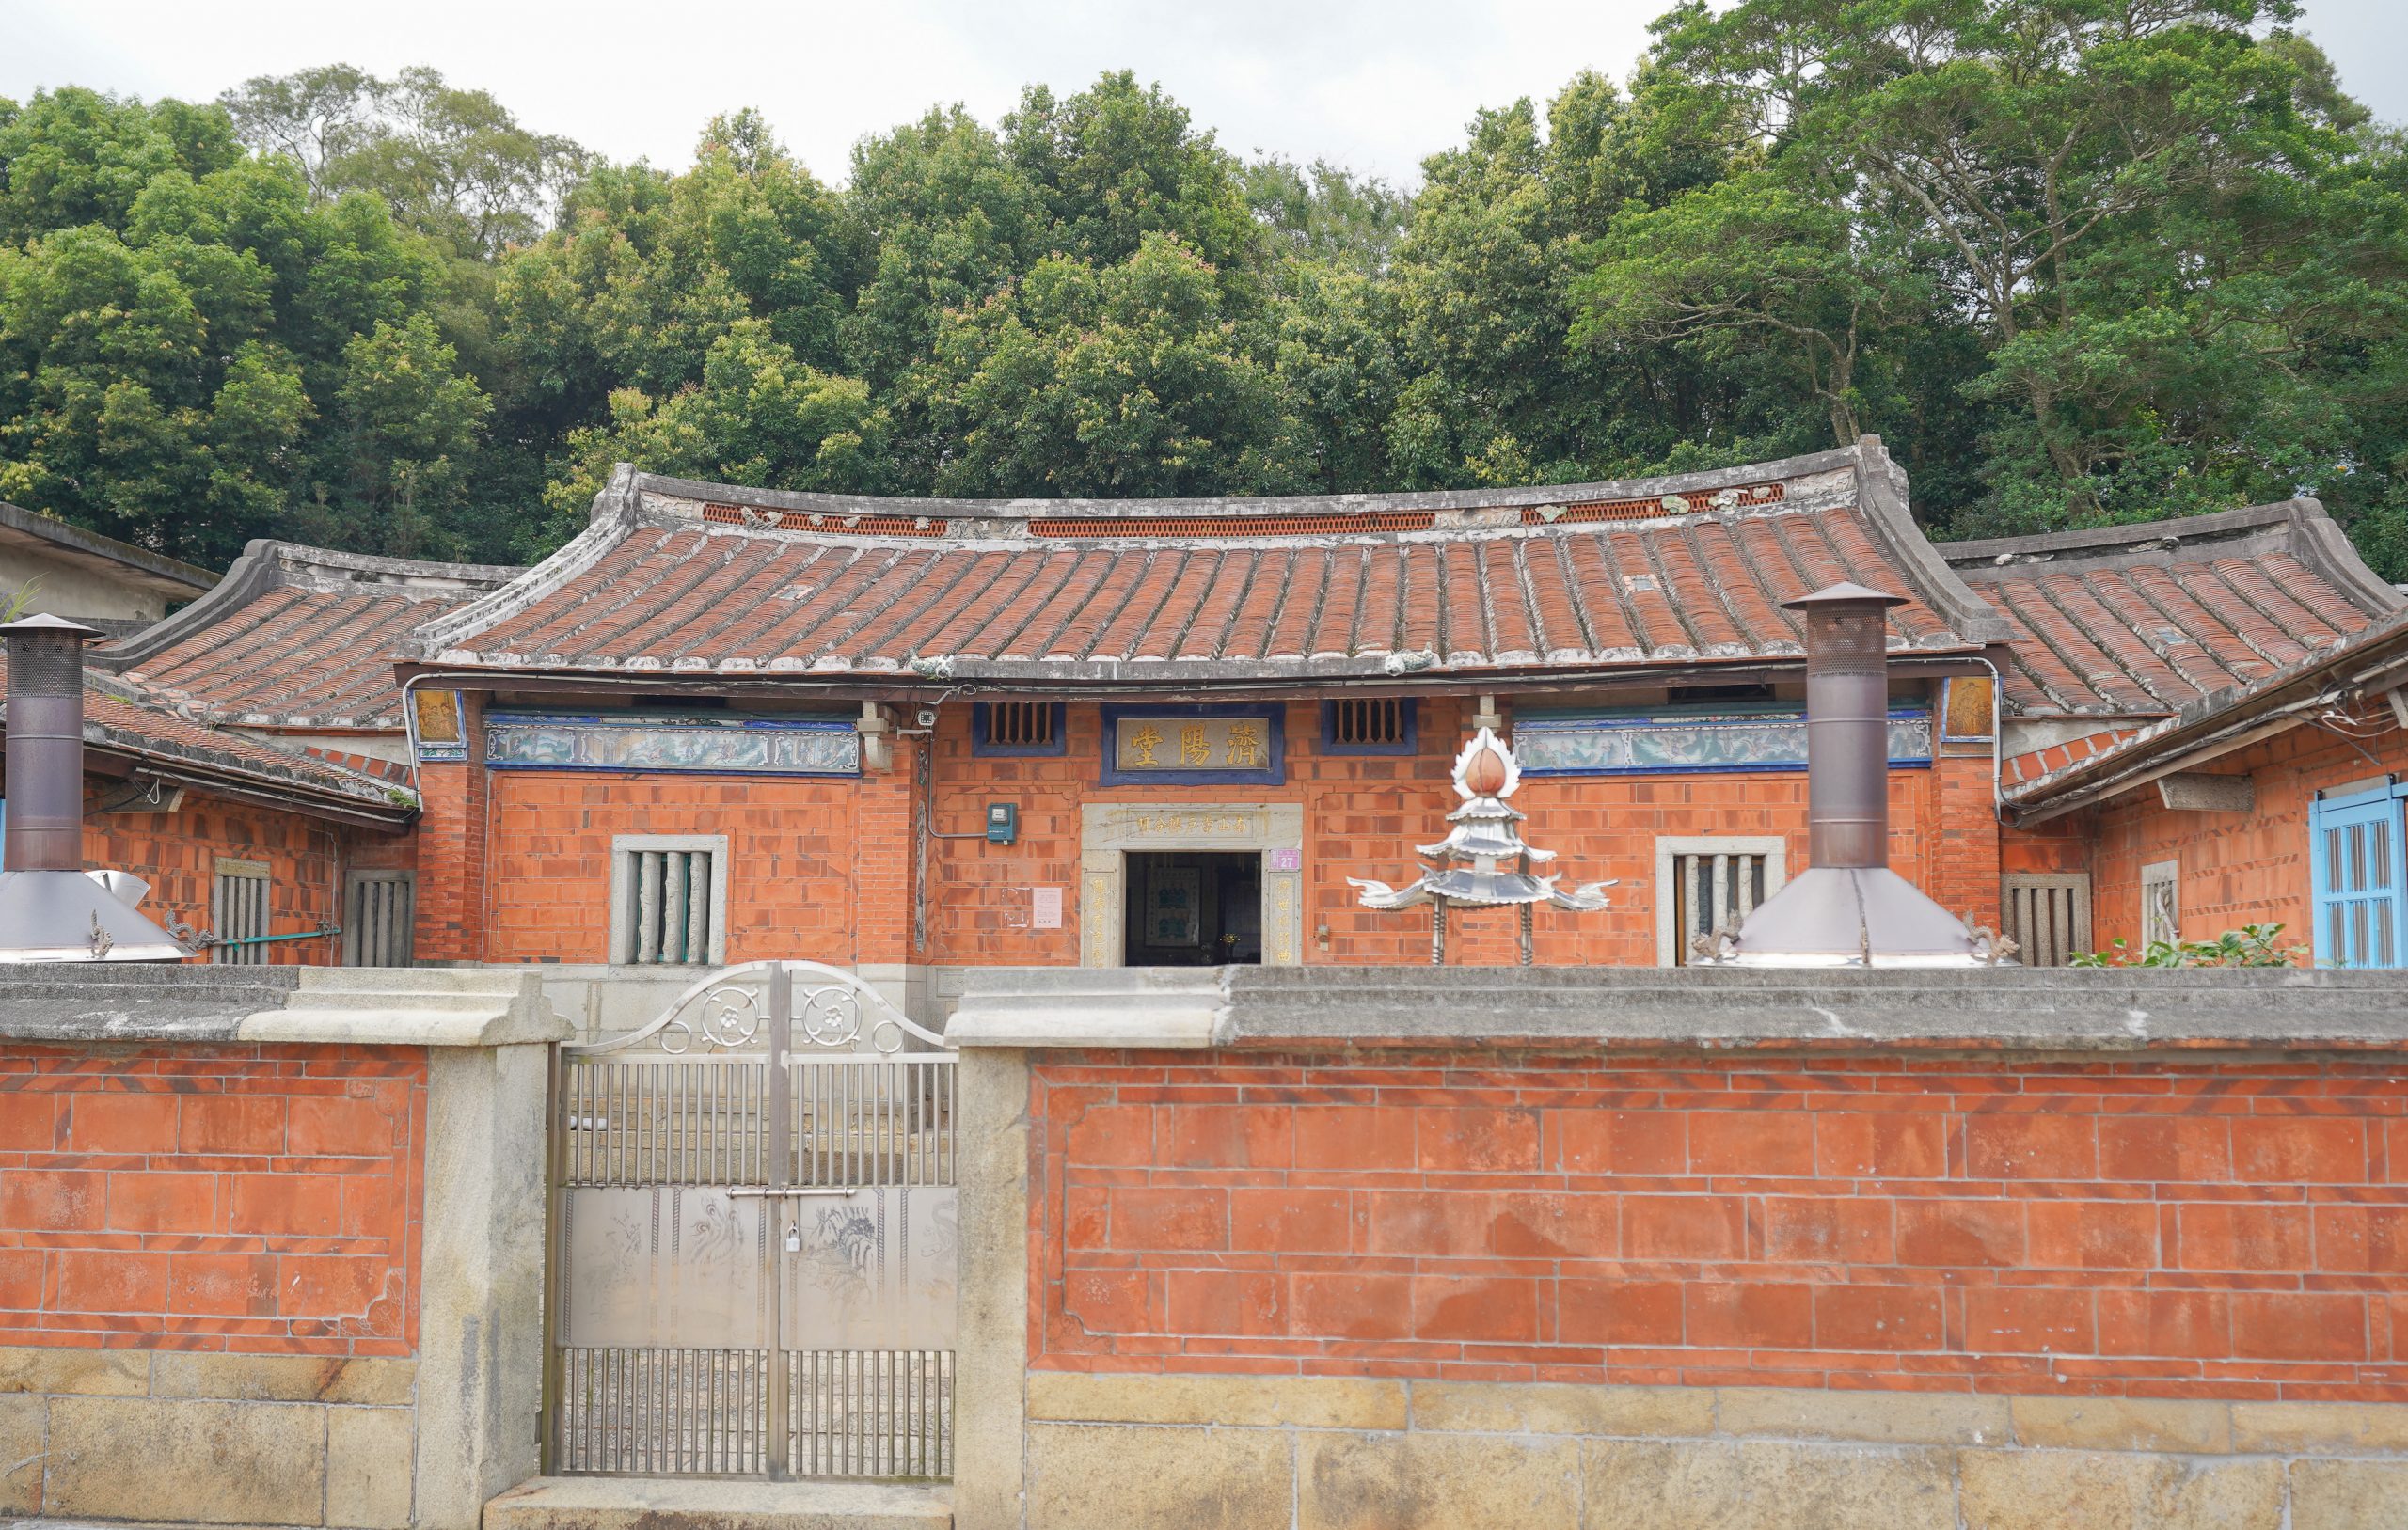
<point x="2078" y="260"/>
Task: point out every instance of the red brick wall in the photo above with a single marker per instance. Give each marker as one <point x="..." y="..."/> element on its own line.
<point x="792" y="861"/>
<point x="2151" y="1228"/>
<point x="452" y="907"/>
<point x="262" y="1199"/>
<point x="1364" y="814"/>
<point x="827" y="867"/>
<point x="2238" y="868"/>
<point x="177" y="854"/>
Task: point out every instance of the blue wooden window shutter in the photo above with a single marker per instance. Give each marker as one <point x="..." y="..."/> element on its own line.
<point x="2358" y="869"/>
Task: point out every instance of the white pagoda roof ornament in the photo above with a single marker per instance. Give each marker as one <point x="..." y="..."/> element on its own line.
<point x="1483" y="861"/>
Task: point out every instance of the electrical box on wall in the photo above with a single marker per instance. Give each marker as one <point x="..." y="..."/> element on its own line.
<point x="1003" y="823"/>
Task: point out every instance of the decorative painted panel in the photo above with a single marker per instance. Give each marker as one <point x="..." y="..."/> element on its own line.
<point x="1642" y="743"/>
<point x="440" y="734"/>
<point x="705" y="742"/>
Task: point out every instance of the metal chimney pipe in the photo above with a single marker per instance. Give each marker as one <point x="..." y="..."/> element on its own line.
<point x="1847" y="725"/>
<point x="45" y="744"/>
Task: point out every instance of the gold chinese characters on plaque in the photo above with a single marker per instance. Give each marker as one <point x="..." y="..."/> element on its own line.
<point x="1175" y="743"/>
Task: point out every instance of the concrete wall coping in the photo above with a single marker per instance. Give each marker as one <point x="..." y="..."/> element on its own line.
<point x="2020" y="1009"/>
<point x="83" y="1003"/>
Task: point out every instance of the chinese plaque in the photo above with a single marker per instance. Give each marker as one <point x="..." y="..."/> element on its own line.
<point x="1187" y="743"/>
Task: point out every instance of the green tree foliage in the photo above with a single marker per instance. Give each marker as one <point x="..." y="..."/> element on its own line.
<point x="1127" y="379"/>
<point x="450" y="162"/>
<point x="2167" y="230"/>
<point x="192" y="354"/>
<point x="2077" y="260"/>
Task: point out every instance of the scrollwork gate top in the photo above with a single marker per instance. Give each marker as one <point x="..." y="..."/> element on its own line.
<point x="731" y="1009"/>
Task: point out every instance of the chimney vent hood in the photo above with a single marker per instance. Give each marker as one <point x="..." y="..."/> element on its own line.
<point x="50" y="908"/>
<point x="1848" y="909"/>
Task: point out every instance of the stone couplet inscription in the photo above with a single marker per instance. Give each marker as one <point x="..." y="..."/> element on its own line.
<point x="1175" y="743"/>
<point x="1177" y="824"/>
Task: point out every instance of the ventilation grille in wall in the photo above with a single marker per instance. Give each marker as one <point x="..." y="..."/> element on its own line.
<point x="1713" y="891"/>
<point x="239" y="912"/>
<point x="1021" y="724"/>
<point x="1379" y="719"/>
<point x="667" y="908"/>
<point x="2047" y="916"/>
<point x="378" y="918"/>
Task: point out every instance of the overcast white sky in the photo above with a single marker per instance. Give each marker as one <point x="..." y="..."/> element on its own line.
<point x="1371" y="83"/>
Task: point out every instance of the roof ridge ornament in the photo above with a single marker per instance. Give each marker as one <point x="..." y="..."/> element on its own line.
<point x="1489" y="862"/>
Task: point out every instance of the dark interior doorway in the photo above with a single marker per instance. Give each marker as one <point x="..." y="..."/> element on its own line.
<point x="1193" y="908"/>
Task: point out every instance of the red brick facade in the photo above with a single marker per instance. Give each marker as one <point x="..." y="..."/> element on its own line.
<point x="2148" y="1228"/>
<point x="2237" y="868"/>
<point x="255" y="1199"/>
<point x="827" y="868"/>
<point x="177" y="853"/>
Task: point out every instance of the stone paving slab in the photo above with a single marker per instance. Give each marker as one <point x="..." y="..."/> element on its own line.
<point x="719" y="1504"/>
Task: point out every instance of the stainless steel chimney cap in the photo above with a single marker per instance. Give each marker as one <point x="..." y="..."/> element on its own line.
<point x="1843" y="593"/>
<point x="44" y="622"/>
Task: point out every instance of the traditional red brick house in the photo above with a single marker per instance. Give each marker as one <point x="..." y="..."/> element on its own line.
<point x="2183" y="701"/>
<point x="239" y="840"/>
<point x="916" y="736"/>
<point x="245" y="755"/>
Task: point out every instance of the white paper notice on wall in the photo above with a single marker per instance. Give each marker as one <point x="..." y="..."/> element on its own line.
<point x="1045" y="908"/>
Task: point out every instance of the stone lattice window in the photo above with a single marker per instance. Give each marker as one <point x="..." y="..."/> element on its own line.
<point x="667" y="896"/>
<point x="2160" y="903"/>
<point x="1368" y="725"/>
<point x="1708" y="883"/>
<point x="238" y="910"/>
<point x="379" y="918"/>
<point x="2047" y="915"/>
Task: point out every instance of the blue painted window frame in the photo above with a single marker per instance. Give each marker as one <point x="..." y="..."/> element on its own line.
<point x="2379" y="940"/>
<point x="1274" y="738"/>
<point x="1412" y="744"/>
<point x="979" y="747"/>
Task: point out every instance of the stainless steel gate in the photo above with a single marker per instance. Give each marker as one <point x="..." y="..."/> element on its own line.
<point x="753" y="1238"/>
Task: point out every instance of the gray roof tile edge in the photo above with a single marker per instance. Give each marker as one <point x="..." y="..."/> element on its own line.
<point x="612" y="516"/>
<point x="1311" y="504"/>
<point x="2209" y="720"/>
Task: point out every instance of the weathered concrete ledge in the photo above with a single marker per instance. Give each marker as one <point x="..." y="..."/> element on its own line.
<point x="86" y="1003"/>
<point x="2023" y="1009"/>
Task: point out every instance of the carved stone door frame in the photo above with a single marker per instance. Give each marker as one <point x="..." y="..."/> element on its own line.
<point x="1109" y="830"/>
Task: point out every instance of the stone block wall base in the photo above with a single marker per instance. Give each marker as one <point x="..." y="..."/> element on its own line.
<point x="711" y="1503"/>
<point x="1131" y="1452"/>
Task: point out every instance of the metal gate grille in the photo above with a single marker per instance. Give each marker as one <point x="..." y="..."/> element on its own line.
<point x="755" y="1253"/>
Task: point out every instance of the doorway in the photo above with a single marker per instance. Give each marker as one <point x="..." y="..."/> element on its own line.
<point x="1193" y="908"/>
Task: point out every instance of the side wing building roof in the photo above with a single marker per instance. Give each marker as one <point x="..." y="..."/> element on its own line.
<point x="2144" y="621"/>
<point x="296" y="637"/>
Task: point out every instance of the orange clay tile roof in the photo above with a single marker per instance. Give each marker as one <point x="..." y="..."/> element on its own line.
<point x="2140" y="620"/>
<point x="297" y="637"/>
<point x="666" y="580"/>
